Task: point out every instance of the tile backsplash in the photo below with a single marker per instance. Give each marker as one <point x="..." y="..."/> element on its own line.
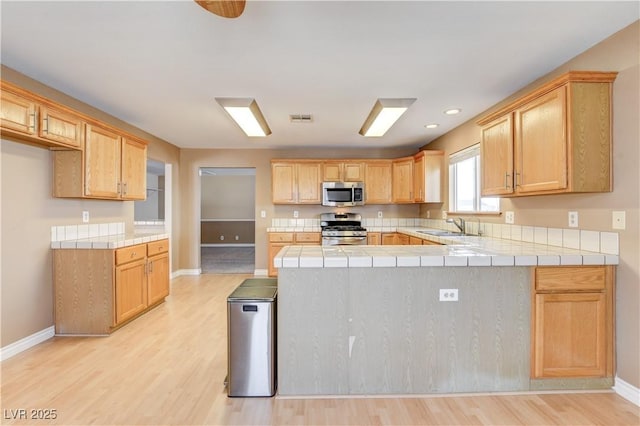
<point x="595" y="241"/>
<point x="77" y="232"/>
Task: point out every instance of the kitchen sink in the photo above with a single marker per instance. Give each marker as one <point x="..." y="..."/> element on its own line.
<point x="442" y="233"/>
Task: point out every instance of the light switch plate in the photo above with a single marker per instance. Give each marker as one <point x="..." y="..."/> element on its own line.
<point x="296" y="214"/>
<point x="263" y="213"/>
<point x="509" y="217"/>
<point x="85" y="216"/>
<point x="619" y="220"/>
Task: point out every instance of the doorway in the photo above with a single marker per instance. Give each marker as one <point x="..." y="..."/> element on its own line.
<point x="227" y="220"/>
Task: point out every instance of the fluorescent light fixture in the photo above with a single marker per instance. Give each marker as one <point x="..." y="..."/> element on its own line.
<point x="247" y="115"/>
<point x="452" y="111"/>
<point x="385" y="112"/>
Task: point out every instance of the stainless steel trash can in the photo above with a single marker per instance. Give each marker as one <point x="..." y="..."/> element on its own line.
<point x="260" y="282"/>
<point x="251" y="345"/>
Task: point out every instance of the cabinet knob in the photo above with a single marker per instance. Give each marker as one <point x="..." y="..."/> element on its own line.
<point x="133" y="254"/>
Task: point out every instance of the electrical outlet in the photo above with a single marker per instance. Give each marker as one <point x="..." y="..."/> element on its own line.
<point x="619" y="220"/>
<point x="296" y="214"/>
<point x="263" y="213"/>
<point x="509" y="217"/>
<point x="237" y="237"/>
<point x="573" y="219"/>
<point x="85" y="216"/>
<point x="380" y="215"/>
<point x="448" y="294"/>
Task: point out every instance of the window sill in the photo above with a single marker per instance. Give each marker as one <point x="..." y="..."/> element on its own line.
<point x="474" y="213"/>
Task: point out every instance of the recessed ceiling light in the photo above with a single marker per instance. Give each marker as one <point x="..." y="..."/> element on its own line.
<point x="452" y="111"/>
<point x="431" y="126"/>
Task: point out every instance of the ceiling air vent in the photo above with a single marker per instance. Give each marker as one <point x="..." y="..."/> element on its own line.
<point x="300" y="118"/>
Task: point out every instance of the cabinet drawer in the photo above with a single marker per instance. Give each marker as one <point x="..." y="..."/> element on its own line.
<point x="581" y="278"/>
<point x="308" y="237"/>
<point x="281" y="237"/>
<point x="157" y="247"/>
<point x="129" y="254"/>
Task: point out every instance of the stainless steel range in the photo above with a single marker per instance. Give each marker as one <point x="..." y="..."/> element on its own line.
<point x="342" y="229"/>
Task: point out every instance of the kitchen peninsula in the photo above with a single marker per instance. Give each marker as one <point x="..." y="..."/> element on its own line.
<point x="477" y="315"/>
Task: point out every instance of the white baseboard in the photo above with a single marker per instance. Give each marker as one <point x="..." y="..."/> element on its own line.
<point x="181" y="272"/>
<point x="26" y="343"/>
<point x="228" y="245"/>
<point x="627" y="391"/>
<point x="260" y="273"/>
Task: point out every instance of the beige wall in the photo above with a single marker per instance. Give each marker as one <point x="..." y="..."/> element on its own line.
<point x="621" y="53"/>
<point x="191" y="160"/>
<point x="227" y="197"/>
<point x="29" y="211"/>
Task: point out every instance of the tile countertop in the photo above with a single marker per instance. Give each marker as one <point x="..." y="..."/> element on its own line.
<point x="469" y="250"/>
<point x="110" y="241"/>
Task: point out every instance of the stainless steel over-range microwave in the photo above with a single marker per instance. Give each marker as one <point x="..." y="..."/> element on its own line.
<point x="342" y="194"/>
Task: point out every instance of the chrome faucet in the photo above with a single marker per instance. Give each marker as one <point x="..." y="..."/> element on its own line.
<point x="460" y="226"/>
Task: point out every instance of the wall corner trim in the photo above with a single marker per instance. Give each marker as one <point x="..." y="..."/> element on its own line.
<point x="627" y="391"/>
<point x="181" y="272"/>
<point x="28" y="342"/>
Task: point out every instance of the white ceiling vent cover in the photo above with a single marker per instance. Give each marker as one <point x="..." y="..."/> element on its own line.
<point x="300" y="118"/>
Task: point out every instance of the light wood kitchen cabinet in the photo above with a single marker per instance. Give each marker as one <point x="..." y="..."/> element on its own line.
<point x="277" y="240"/>
<point x="415" y="241"/>
<point x="377" y="182"/>
<point x="342" y="171"/>
<point x="158" y="285"/>
<point x="428" y="169"/>
<point x="389" y="239"/>
<point x="17" y="114"/>
<point x="402" y="180"/>
<point x="296" y="182"/>
<point x="374" y="238"/>
<point x="496" y="153"/>
<point x="572" y="322"/>
<point x="556" y="139"/>
<point x="110" y="167"/>
<point x="60" y="127"/>
<point x="98" y="290"/>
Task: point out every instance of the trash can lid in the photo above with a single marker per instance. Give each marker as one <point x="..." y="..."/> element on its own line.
<point x="259" y="294"/>
<point x="260" y="282"/>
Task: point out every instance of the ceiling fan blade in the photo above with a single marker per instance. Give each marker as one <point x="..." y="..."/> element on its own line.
<point x="224" y="8"/>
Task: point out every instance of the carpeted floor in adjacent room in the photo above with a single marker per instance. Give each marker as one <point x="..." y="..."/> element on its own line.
<point x="228" y="260"/>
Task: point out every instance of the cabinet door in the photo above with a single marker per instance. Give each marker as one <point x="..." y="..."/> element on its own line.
<point x="274" y="248"/>
<point x="570" y="335"/>
<point x="402" y="180"/>
<point x="378" y="182"/>
<point x="283" y="183"/>
<point x="541" y="143"/>
<point x="60" y="127"/>
<point x="428" y="167"/>
<point x="353" y="171"/>
<point x="496" y="157"/>
<point x="102" y="162"/>
<point x="158" y="278"/>
<point x="131" y="290"/>
<point x="332" y="171"/>
<point x="134" y="170"/>
<point x="389" y="239"/>
<point x="373" y="238"/>
<point x="17" y="114"/>
<point x="309" y="180"/>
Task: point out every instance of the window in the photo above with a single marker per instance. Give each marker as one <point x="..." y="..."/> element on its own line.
<point x="464" y="183"/>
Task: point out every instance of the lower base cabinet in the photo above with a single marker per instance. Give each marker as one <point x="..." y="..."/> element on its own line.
<point x="572" y="322"/>
<point x="277" y="240"/>
<point x="98" y="290"/>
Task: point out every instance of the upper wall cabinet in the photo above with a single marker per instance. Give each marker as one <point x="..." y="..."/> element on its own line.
<point x="556" y="139"/>
<point x="111" y="167"/>
<point x="296" y="182"/>
<point x="27" y="117"/>
<point x="428" y="169"/>
<point x="377" y="180"/>
<point x="91" y="158"/>
<point x="402" y="180"/>
<point x="342" y="171"/>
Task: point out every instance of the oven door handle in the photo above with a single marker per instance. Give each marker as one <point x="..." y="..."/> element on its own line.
<point x="343" y="241"/>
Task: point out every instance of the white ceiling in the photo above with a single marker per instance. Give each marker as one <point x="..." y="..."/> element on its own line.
<point x="159" y="65"/>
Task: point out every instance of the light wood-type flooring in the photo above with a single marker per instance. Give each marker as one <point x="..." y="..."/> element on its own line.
<point x="168" y="367"/>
